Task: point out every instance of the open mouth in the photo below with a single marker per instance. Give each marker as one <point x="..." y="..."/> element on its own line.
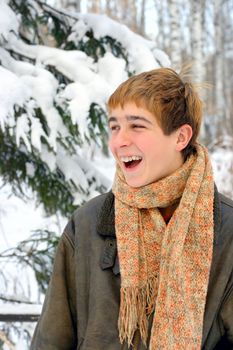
<point x="131" y="162"/>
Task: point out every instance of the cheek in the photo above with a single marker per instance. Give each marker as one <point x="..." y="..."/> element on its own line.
<point x="149" y="147"/>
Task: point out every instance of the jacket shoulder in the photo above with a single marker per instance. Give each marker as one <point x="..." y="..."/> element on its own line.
<point x="86" y="215"/>
<point x="93" y="206"/>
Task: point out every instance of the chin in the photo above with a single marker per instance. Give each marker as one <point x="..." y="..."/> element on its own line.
<point x="140" y="183"/>
<point x="135" y="184"/>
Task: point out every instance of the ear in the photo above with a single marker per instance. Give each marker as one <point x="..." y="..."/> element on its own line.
<point x="184" y="135"/>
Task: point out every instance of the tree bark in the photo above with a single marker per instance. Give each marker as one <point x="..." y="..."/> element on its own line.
<point x="219" y="95"/>
<point x="142" y="18"/>
<point x="175" y="34"/>
<point x="197" y="40"/>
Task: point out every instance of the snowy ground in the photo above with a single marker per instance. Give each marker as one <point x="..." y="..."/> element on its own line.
<point x="18" y="219"/>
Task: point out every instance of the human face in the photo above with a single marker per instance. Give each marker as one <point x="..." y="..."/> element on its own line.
<point x="144" y="153"/>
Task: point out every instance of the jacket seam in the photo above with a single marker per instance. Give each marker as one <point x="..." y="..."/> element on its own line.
<point x="67" y="237"/>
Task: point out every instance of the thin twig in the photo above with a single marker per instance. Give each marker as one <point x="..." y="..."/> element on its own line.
<point x="6" y="341"/>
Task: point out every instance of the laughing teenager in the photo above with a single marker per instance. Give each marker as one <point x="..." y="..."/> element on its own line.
<point x="148" y="265"/>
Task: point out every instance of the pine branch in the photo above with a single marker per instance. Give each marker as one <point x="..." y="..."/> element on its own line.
<point x="62" y="16"/>
<point x="22" y="57"/>
<point x="16" y="317"/>
<point x="62" y="78"/>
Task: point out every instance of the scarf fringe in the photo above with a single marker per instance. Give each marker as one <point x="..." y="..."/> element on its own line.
<point x="136" y="306"/>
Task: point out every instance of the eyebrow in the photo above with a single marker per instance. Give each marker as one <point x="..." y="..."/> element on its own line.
<point x="130" y="118"/>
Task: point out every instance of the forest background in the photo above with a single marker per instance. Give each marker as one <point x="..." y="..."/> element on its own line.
<point x="59" y="61"/>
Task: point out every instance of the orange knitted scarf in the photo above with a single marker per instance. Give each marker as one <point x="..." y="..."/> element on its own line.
<point x="165" y="268"/>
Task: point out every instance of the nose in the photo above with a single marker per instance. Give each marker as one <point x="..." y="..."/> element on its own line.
<point x="123" y="138"/>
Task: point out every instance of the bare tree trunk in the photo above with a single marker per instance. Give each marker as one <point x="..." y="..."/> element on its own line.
<point x="132" y="15"/>
<point x="185" y="19"/>
<point x="109" y="7"/>
<point x="161" y="39"/>
<point x="73" y="5"/>
<point x="94" y="6"/>
<point x="128" y="13"/>
<point x="142" y="18"/>
<point x="219" y="95"/>
<point x="228" y="63"/>
<point x="197" y="41"/>
<point x="175" y="34"/>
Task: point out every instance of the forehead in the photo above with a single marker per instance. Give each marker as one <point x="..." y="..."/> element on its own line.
<point x="130" y="112"/>
<point x="129" y="119"/>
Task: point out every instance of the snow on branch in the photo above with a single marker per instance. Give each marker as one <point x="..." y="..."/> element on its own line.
<point x="59" y="69"/>
<point x="20" y="313"/>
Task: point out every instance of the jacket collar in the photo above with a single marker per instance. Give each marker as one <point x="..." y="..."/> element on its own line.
<point x="106" y="221"/>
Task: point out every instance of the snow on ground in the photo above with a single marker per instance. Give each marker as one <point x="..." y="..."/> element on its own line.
<point x="18" y="218"/>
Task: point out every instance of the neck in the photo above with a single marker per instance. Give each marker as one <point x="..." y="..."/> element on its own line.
<point x="168" y="211"/>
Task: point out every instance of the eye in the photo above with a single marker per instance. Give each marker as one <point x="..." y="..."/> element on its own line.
<point x="113" y="128"/>
<point x="138" y="126"/>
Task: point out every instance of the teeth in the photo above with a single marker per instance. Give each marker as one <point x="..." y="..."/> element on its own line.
<point x="129" y="159"/>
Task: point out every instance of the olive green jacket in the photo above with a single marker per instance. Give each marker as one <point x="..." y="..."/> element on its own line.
<point x="82" y="302"/>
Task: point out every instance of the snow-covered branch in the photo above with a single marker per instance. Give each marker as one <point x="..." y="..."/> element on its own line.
<point x="56" y="115"/>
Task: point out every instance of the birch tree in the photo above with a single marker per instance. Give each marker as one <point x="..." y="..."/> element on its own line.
<point x="175" y="34"/>
<point x="227" y="34"/>
<point x="197" y="40"/>
<point x="128" y="12"/>
<point x="219" y="96"/>
<point x="161" y="7"/>
<point x="142" y="17"/>
<point x="73" y="5"/>
<point x="94" y="6"/>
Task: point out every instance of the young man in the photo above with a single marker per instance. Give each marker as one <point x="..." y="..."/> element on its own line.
<point x="148" y="265"/>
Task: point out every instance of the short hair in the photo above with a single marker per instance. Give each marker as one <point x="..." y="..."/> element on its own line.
<point x="163" y="93"/>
